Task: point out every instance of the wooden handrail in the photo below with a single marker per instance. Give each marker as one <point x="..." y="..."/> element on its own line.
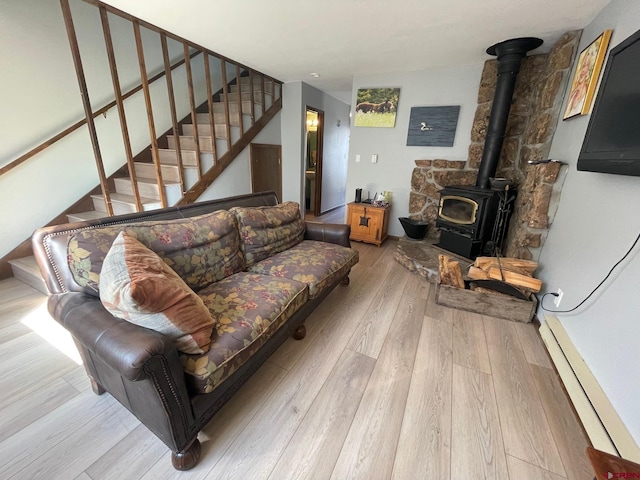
<point x="72" y="128"/>
<point x="199" y="49"/>
<point x="151" y="26"/>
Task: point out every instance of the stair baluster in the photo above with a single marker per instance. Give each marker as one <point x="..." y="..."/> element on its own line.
<point x="212" y="122"/>
<point x="147" y="101"/>
<point x="194" y="114"/>
<point x="253" y="113"/>
<point x="106" y="29"/>
<point x="225" y="93"/>
<point x="239" y="83"/>
<point x="172" y="107"/>
<point x="262" y="94"/>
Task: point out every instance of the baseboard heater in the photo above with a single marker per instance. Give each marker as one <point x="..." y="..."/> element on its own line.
<point x="600" y="420"/>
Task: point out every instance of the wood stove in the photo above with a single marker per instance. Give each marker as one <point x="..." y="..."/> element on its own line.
<point x="473" y="220"/>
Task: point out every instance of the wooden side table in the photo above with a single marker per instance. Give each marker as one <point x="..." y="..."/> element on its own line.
<point x="369" y="224"/>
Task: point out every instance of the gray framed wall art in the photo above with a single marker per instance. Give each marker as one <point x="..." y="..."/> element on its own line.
<point x="433" y="126"/>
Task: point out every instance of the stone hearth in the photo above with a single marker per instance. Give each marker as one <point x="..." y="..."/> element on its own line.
<point x="421" y="257"/>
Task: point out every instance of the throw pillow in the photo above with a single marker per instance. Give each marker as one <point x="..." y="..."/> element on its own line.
<point x="138" y="286"/>
<point x="265" y="231"/>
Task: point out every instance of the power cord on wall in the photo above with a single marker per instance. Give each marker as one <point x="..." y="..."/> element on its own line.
<point x="592" y="291"/>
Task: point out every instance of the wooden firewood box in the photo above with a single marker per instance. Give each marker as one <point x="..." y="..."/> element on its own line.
<point x="499" y="306"/>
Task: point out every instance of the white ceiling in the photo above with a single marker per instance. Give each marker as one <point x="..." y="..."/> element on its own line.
<point x="339" y="39"/>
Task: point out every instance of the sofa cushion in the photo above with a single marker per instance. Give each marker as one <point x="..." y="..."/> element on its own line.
<point x="247" y="309"/>
<point x="200" y="249"/>
<point x="318" y="264"/>
<point x="265" y="231"/>
<point x="137" y="286"/>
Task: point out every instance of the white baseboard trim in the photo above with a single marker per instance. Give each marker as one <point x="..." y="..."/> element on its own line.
<point x="600" y="420"/>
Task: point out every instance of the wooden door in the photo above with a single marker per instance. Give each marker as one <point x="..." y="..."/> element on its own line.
<point x="266" y="168"/>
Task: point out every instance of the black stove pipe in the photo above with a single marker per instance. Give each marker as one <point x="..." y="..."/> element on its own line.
<point x="510" y="54"/>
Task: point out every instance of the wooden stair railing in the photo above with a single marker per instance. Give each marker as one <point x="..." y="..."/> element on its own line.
<point x="80" y="123"/>
<point x="86" y="102"/>
<point x="240" y="101"/>
<point x="234" y="106"/>
<point x="260" y="87"/>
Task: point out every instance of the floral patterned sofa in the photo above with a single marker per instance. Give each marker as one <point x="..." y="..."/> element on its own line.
<point x="174" y="309"/>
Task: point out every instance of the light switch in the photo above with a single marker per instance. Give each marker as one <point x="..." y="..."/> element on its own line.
<point x="358" y="158"/>
<point x="374" y="158"/>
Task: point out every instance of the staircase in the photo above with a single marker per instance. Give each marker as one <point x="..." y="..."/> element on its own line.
<point x="182" y="162"/>
<point x="195" y="161"/>
<point x="26" y="269"/>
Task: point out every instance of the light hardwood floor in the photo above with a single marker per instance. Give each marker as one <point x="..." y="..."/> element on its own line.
<point x="387" y="384"/>
<point x="337" y="215"/>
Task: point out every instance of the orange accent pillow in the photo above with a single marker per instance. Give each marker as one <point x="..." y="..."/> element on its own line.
<point x="137" y="286"/>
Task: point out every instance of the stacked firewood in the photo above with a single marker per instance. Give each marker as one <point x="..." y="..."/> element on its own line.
<point x="515" y="272"/>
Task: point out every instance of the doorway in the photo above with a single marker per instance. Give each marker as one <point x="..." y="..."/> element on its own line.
<point x="266" y="168"/>
<point x="314" y="129"/>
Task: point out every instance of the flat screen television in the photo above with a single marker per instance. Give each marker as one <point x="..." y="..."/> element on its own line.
<point x="612" y="141"/>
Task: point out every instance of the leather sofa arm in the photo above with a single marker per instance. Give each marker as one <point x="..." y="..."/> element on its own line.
<point x="123" y="346"/>
<point x="328" y="232"/>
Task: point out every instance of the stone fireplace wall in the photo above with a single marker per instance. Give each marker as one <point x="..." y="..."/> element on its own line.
<point x="537" y="101"/>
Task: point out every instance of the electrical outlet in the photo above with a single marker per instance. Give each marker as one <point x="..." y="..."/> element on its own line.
<point x="558" y="299"/>
<point x="374" y="158"/>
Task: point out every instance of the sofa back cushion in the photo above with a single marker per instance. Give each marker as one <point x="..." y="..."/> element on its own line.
<point x="201" y="249"/>
<point x="137" y="286"/>
<point x="265" y="231"/>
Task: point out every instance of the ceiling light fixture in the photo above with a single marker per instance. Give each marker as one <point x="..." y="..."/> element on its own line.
<point x="315" y="75"/>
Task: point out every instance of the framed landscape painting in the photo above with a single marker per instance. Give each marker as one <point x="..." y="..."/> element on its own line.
<point x="376" y="107"/>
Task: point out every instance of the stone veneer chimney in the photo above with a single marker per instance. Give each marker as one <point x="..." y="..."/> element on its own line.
<point x="510" y="54"/>
<point x="537" y="101"/>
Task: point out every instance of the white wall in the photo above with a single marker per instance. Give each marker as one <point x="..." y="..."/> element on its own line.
<point x="40" y="97"/>
<point x="435" y="87"/>
<point x="596" y="222"/>
<point x="292" y="142"/>
<point x="296" y="97"/>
